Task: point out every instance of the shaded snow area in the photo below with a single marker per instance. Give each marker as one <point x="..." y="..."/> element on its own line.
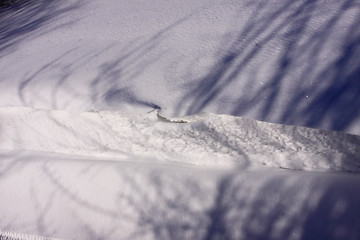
<point x="283" y="61"/>
<point x="198" y="120"/>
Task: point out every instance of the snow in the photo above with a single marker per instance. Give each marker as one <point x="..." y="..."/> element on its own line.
<point x="78" y="198"/>
<point x="205" y="139"/>
<point x="180" y="119"/>
<point x="144" y="176"/>
<point x="280" y="61"/>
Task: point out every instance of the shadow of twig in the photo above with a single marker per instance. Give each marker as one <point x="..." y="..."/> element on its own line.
<point x="22" y="17"/>
<point x="284" y="66"/>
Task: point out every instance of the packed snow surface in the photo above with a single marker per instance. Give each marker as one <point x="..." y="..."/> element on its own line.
<point x="168" y="119"/>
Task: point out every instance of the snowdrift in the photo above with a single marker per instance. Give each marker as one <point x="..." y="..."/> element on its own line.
<point x="144" y="176"/>
<point x="154" y="119"/>
<point x="204" y="139"/>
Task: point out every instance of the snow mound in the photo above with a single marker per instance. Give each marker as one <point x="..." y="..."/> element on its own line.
<point x="204" y="139"/>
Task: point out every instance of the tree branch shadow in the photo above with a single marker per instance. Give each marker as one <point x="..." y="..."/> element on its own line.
<point x="305" y="80"/>
<point x="21" y="18"/>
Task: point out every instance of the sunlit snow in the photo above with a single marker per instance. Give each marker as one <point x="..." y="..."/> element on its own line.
<point x="154" y="119"/>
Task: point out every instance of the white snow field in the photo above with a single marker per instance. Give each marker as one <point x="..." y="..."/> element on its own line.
<point x="154" y="119"/>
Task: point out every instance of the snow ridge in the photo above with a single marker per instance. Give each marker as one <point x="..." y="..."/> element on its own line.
<point x="205" y="139"/>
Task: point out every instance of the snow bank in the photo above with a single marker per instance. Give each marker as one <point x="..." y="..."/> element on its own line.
<point x="205" y="139"/>
<point x="106" y="130"/>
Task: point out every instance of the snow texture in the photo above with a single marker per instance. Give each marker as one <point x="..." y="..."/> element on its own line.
<point x="73" y="197"/>
<point x="289" y="62"/>
<point x="154" y="119"/>
<point x="205" y="139"/>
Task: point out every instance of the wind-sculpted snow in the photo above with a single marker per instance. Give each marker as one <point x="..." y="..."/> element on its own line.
<point x="204" y="139"/>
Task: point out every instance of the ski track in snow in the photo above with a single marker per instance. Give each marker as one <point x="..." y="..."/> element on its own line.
<point x="205" y="139"/>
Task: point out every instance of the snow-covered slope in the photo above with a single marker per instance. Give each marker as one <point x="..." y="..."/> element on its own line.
<point x="292" y="62"/>
<point x="139" y="119"/>
<point x="144" y="176"/>
<point x="71" y="197"/>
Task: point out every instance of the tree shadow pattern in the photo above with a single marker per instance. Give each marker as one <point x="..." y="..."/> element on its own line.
<point x="325" y="95"/>
<point x="307" y="83"/>
<point x="240" y="205"/>
<point x="160" y="203"/>
<point x="19" y="19"/>
<point x="290" y="62"/>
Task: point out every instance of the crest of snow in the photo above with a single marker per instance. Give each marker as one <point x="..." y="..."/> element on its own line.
<point x="205" y="139"/>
